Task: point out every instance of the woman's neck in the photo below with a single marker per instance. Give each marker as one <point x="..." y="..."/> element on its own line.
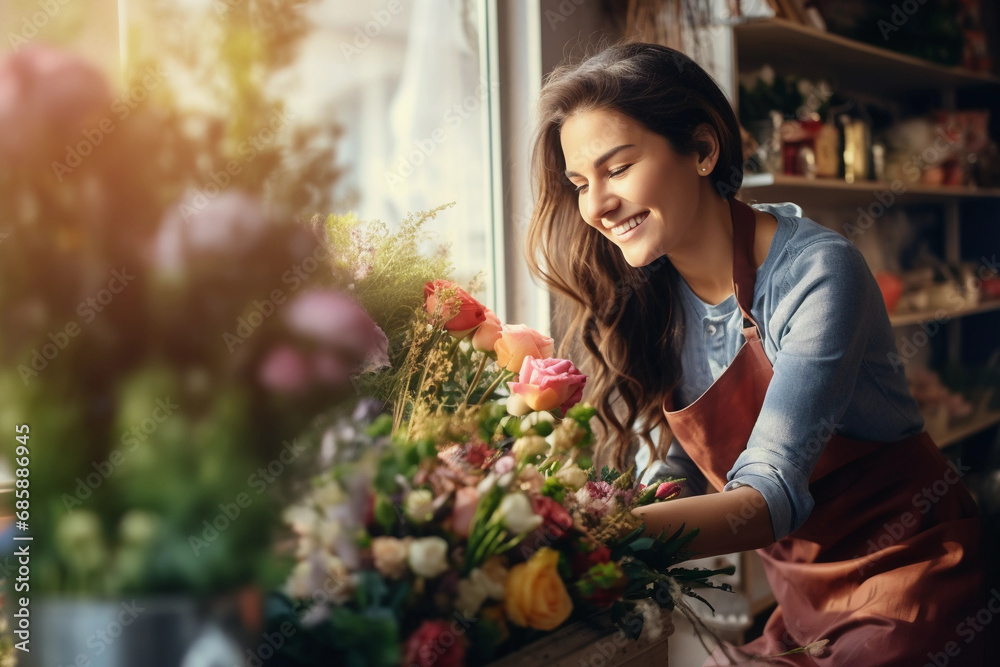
<point x="706" y="260"/>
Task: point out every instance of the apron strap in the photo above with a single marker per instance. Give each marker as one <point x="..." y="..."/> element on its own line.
<point x="744" y="269"/>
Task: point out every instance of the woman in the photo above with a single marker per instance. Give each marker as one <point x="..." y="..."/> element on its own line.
<point x="757" y="343"/>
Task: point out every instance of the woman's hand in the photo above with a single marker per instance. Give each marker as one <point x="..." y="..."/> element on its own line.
<point x="731" y="521"/>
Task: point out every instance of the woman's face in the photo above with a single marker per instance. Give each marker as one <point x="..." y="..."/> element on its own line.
<point x="632" y="186"/>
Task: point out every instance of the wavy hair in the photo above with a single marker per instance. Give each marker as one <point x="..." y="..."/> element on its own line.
<point x="629" y="320"/>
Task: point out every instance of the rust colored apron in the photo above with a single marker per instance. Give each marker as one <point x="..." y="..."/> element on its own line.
<point x="887" y="566"/>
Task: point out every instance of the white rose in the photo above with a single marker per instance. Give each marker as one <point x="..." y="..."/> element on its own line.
<point x="420" y="505"/>
<point x="516" y="514"/>
<point x="428" y="556"/>
<point x="572" y="476"/>
<point x="531" y="445"/>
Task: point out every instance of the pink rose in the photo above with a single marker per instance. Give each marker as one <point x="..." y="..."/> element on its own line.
<point x="667" y="490"/>
<point x="435" y="643"/>
<point x="460" y="313"/>
<point x="518" y="341"/>
<point x="547" y="384"/>
<point x="488" y="333"/>
<point x="466" y="501"/>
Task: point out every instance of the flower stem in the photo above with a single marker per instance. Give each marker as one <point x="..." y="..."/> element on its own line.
<point x="476" y="378"/>
<point x="493" y="387"/>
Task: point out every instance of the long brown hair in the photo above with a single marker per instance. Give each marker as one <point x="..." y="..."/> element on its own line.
<point x="628" y="319"/>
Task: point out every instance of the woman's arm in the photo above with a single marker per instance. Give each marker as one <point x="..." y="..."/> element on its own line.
<point x="736" y="520"/>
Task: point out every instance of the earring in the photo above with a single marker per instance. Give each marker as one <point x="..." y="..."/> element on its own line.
<point x="703" y="169"/>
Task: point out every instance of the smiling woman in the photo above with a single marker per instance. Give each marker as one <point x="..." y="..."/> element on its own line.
<point x="758" y="344"/>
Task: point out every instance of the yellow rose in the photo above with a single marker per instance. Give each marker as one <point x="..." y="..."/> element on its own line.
<point x="535" y="594"/>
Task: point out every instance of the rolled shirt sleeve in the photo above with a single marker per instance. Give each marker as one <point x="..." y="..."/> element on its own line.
<point x="819" y="327"/>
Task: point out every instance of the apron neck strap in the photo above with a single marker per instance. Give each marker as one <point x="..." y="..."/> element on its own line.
<point x="744" y="267"/>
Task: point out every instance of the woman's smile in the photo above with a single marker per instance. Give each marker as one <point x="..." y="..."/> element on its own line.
<point x="627" y="229"/>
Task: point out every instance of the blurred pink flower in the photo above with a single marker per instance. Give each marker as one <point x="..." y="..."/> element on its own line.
<point x="336" y="319"/>
<point x="284" y="370"/>
<point x="231" y="222"/>
<point x="466" y="501"/>
<point x="48" y="97"/>
<point x="331" y="369"/>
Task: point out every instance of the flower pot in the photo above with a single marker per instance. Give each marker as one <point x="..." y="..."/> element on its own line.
<point x="152" y="632"/>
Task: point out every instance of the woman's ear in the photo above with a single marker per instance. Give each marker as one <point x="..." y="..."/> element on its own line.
<point x="707" y="147"/>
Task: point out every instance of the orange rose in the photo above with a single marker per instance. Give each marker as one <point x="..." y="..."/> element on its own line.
<point x="459" y="311"/>
<point x="535" y="596"/>
<point x="518" y="341"/>
<point x="488" y="333"/>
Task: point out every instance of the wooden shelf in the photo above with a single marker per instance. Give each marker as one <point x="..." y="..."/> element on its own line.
<point x="907" y="319"/>
<point x="971" y="427"/>
<point x="831" y="192"/>
<point x="791" y="48"/>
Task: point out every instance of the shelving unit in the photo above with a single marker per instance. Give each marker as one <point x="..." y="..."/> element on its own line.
<point x="826" y="192"/>
<point x="873" y="73"/>
<point x="796" y="49"/>
<point x="964" y="429"/>
<point x="906" y="319"/>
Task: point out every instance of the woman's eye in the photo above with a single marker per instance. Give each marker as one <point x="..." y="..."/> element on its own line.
<point x="619" y="170"/>
<point x="580" y="188"/>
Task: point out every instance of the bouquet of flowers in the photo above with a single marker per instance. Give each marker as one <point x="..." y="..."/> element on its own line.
<point x="470" y="519"/>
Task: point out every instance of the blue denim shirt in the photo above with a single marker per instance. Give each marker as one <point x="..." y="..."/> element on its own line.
<point x="826" y="332"/>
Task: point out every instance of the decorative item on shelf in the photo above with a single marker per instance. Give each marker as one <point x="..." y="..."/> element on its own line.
<point x="939" y="405"/>
<point x="857" y="144"/>
<point x="798" y="147"/>
<point x="891" y="287"/>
